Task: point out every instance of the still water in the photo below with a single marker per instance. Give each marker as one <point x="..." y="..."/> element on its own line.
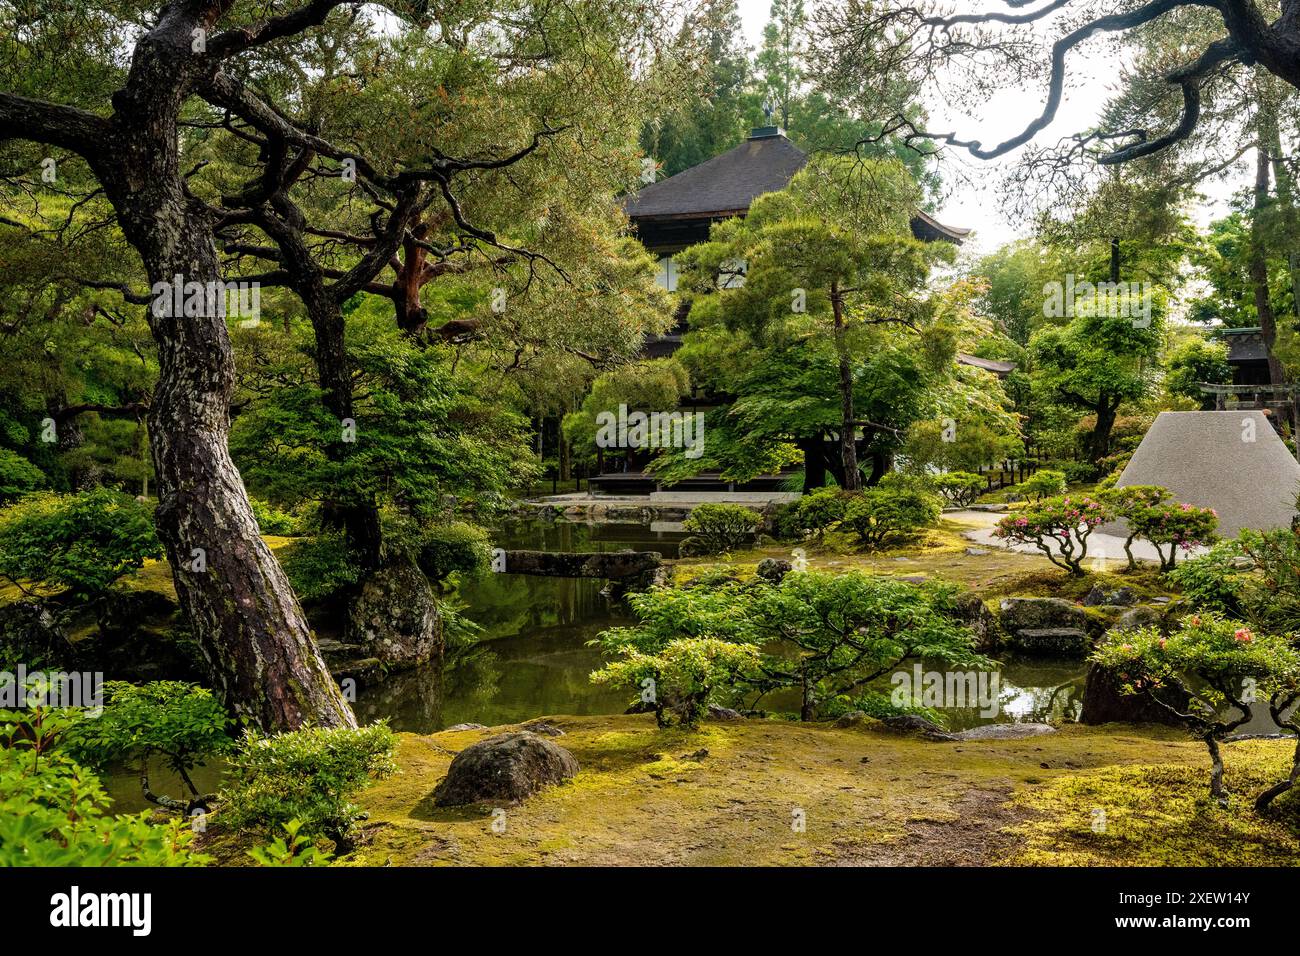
<point x="534" y="657"/>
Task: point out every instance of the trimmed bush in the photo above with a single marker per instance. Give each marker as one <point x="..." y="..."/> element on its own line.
<point x="718" y="528"/>
<point x="1058" y="527"/>
<point x="878" y="514"/>
<point x="1042" y="484"/>
<point x="820" y="509"/>
<point x="960" y="488"/>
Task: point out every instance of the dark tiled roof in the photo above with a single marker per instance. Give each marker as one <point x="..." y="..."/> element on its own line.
<point x="725" y="186"/>
<point x="1245" y="345"/>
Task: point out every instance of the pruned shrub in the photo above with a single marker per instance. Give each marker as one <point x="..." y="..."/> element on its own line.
<point x="717" y="528"/>
<point x="878" y="514"/>
<point x="960" y="488"/>
<point x="819" y="510"/>
<point x="1042" y="484"/>
<point x="1058" y="527"/>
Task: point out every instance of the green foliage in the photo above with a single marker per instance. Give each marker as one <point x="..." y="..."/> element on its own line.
<point x="820" y="509"/>
<point x="81" y="542"/>
<point x="1194" y="362"/>
<point x="17" y="476"/>
<point x="53" y="813"/>
<point x="1255" y="576"/>
<point x="1222" y="667"/>
<point x="447" y="549"/>
<point x="717" y="528"/>
<point x="1058" y="527"/>
<point x="270" y="520"/>
<point x="310" y="775"/>
<point x="320" y="566"/>
<point x="961" y="488"/>
<point x="681" y="677"/>
<point x="877" y="514"/>
<point x="824" y="635"/>
<point x="182" y="722"/>
<point x="1042" y="484"/>
<point x="290" y="850"/>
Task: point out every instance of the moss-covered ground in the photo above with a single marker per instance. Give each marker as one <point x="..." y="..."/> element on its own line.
<point x="734" y="792"/>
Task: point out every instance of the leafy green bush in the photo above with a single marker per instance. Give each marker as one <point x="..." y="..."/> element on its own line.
<point x="960" y="488"/>
<point x="17" y="476"/>
<point x="877" y="514"/>
<point x="81" y="542"/>
<point x="53" y="812"/>
<point x="1220" y="665"/>
<point x="1255" y="576"/>
<point x="1042" y="484"/>
<point x="455" y="547"/>
<point x="308" y="775"/>
<point x="818" y="510"/>
<point x="290" y="850"/>
<point x="718" y="528"/>
<point x="824" y="636"/>
<point x="271" y="520"/>
<point x="1079" y="472"/>
<point x="680" y="678"/>
<point x="181" y="722"/>
<point x="1058" y="527"/>
<point x="320" y="566"/>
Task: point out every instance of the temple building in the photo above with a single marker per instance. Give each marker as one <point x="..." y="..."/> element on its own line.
<point x="675" y="213"/>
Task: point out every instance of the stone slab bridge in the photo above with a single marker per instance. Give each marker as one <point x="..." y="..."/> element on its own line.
<point x="627" y="570"/>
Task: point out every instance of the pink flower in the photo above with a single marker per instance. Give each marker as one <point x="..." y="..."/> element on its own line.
<point x="1244" y="635"/>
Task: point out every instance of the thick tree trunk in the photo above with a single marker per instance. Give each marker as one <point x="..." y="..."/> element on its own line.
<point x="242" y="611"/>
<point x="848" y="447"/>
<point x="1099" y="440"/>
<point x="814" y="463"/>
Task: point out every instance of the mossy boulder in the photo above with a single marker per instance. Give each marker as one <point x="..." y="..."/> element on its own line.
<point x="394" y="617"/>
<point x="506" y="768"/>
<point x="1105" y="703"/>
<point x="1050" y="627"/>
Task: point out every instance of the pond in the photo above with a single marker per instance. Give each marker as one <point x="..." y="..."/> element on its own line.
<point x="534" y="658"/>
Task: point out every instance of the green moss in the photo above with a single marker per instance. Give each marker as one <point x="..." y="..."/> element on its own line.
<point x="645" y="796"/>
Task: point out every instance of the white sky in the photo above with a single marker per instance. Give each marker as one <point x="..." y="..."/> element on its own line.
<point x="973" y="202"/>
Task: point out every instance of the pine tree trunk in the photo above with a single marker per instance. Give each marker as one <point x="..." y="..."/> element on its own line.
<point x="848" y="447"/>
<point x="242" y="611"/>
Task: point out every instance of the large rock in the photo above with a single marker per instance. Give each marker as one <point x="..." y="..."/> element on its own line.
<point x="506" y="768"/>
<point x="984" y="624"/>
<point x="773" y="570"/>
<point x="1049" y="627"/>
<point x="394" y="617"/>
<point x="1103" y="702"/>
<point x="1005" y="731"/>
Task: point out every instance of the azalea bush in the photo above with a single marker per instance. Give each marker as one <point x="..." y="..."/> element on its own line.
<point x="1222" y="667"/>
<point x="679" y="679"/>
<point x="878" y="514"/>
<point x="1058" y="527"/>
<point x="960" y="488"/>
<point x="1127" y="502"/>
<point x="1255" y="576"/>
<point x="820" y="510"/>
<point x="1173" y="528"/>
